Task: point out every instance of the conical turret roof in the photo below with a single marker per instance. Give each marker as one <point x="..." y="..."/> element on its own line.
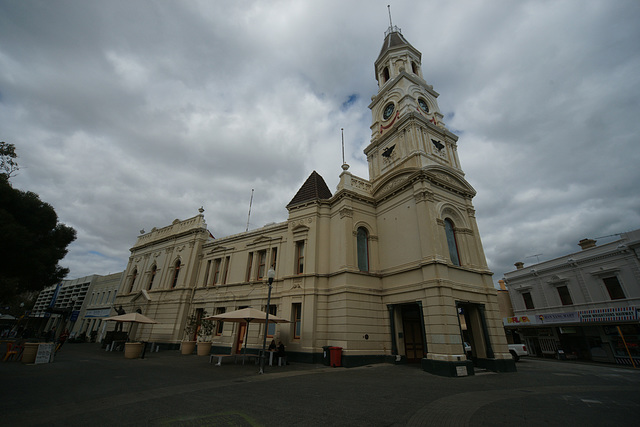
<point x="314" y="188"/>
<point x="394" y="39"/>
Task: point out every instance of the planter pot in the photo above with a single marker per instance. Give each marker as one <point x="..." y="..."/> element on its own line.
<point x="187" y="347"/>
<point x="204" y="348"/>
<point x="132" y="350"/>
<point x="30" y="351"/>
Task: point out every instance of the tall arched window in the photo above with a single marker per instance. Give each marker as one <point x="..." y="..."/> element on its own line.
<point x="175" y="274"/>
<point x="153" y="276"/>
<point x="385" y="74"/>
<point x="451" y="242"/>
<point x="363" y="249"/>
<point x="133" y="280"/>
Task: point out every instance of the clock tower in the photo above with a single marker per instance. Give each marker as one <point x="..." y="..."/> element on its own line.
<point x="407" y="128"/>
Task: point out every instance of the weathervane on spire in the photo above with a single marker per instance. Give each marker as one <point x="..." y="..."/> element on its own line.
<point x="390" y="23"/>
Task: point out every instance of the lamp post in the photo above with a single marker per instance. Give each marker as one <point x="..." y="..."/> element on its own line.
<point x="271" y="274"/>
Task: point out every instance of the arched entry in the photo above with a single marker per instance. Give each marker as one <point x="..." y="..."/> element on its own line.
<point x="473" y="330"/>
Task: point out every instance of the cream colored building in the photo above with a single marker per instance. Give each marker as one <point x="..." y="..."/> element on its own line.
<point x="389" y="268"/>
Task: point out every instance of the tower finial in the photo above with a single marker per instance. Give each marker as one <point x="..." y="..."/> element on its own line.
<point x="342" y="130"/>
<point x="390" y="23"/>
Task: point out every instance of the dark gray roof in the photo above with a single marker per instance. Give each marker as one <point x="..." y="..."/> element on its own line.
<point x="314" y="188"/>
<point x="393" y="39"/>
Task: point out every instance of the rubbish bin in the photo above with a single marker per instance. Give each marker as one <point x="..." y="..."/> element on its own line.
<point x="326" y="360"/>
<point x="336" y="356"/>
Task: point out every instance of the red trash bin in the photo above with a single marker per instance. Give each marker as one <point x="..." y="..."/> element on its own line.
<point x="335" y="356"/>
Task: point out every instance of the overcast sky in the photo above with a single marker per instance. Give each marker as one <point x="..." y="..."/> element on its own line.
<point x="129" y="114"/>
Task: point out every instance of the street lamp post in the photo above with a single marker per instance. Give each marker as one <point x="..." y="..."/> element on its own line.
<point x="271" y="274"/>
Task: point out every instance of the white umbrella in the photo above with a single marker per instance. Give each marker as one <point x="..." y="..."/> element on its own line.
<point x="247" y="315"/>
<point x="131" y="318"/>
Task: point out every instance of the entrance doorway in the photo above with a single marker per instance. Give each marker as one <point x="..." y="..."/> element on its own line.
<point x="242" y="330"/>
<point x="413" y="332"/>
<point x="473" y="330"/>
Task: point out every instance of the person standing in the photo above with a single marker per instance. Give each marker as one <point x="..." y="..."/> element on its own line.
<point x="61" y="340"/>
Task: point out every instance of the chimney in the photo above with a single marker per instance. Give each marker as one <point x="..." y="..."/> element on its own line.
<point x="519" y="265"/>
<point x="502" y="286"/>
<point x="587" y="243"/>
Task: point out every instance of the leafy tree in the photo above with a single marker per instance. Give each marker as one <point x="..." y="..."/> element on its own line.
<point x="8" y="164"/>
<point x="32" y="241"/>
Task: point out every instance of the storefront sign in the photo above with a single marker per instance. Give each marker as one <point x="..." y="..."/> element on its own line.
<point x="548" y="318"/>
<point x="519" y="321"/>
<point x="609" y="314"/>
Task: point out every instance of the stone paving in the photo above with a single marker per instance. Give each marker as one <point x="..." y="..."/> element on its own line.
<point x="86" y="386"/>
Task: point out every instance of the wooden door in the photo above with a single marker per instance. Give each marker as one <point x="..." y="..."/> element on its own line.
<point x="242" y="330"/>
<point x="413" y="345"/>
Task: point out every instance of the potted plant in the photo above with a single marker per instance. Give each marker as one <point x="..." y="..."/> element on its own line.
<point x="204" y="336"/>
<point x="188" y="344"/>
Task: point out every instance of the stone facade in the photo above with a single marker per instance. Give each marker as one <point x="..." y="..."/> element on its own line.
<point x="389" y="268"/>
<point x="582" y="305"/>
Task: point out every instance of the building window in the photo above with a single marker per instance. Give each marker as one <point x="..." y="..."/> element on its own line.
<point x="249" y="263"/>
<point x="154" y="269"/>
<point x="296" y="310"/>
<point x="363" y="249"/>
<point x="565" y="296"/>
<point x="262" y="261"/>
<point x="414" y="68"/>
<point x="274" y="257"/>
<point x="452" y="242"/>
<point x="528" y="301"/>
<point x="133" y="280"/>
<point x="216" y="270"/>
<point x="271" y="330"/>
<point x="226" y="270"/>
<point x="176" y="272"/>
<point x="300" y="257"/>
<point x="206" y="273"/>
<point x="613" y="287"/>
<point x="385" y="74"/>
<point x="219" y="323"/>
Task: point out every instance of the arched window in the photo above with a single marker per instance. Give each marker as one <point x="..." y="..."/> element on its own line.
<point x="153" y="276"/>
<point x="451" y="242"/>
<point x="175" y="274"/>
<point x="133" y="280"/>
<point x="385" y="74"/>
<point x="363" y="249"/>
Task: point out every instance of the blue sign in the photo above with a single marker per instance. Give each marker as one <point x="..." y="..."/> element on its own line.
<point x="74" y="315"/>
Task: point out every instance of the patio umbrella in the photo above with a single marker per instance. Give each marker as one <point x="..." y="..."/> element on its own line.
<point x="247" y="315"/>
<point x="131" y="318"/>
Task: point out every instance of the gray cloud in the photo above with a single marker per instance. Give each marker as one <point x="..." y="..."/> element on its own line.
<point x="128" y="115"/>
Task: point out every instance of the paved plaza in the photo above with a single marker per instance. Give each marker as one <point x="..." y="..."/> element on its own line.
<point x="86" y="386"/>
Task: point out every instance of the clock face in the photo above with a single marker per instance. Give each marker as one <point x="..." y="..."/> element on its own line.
<point x="423" y="105"/>
<point x="388" y="110"/>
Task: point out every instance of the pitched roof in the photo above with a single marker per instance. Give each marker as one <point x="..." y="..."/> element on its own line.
<point x="392" y="40"/>
<point x="314" y="188"/>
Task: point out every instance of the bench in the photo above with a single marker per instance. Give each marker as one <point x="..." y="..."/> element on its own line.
<point x="243" y="356"/>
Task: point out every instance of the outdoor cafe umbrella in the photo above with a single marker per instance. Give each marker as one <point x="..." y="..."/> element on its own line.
<point x="247" y="315"/>
<point x="133" y="318"/>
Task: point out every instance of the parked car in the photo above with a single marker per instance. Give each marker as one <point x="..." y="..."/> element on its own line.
<point x="517" y="351"/>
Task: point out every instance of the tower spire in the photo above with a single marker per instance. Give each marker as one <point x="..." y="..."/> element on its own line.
<point x="390" y="23"/>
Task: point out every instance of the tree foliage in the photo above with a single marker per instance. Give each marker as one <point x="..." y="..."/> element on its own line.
<point x="8" y="163"/>
<point x="32" y="242"/>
